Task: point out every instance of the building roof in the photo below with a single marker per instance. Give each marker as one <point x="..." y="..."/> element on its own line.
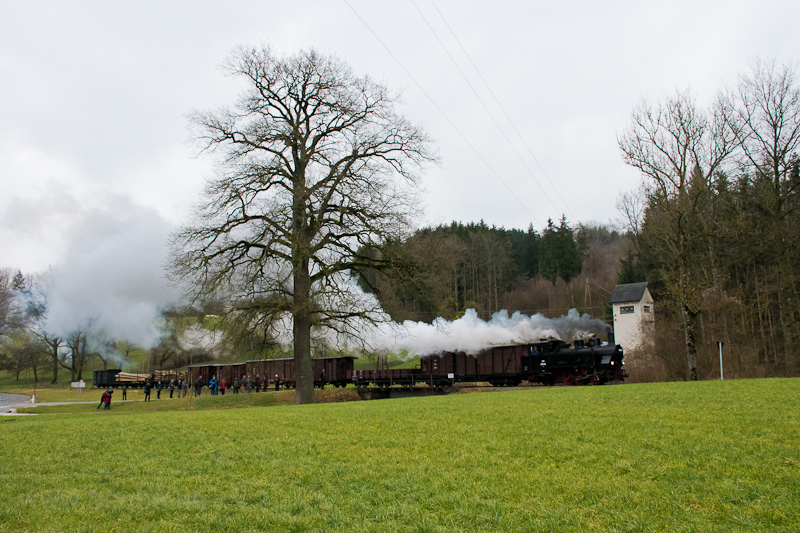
<point x="628" y="292"/>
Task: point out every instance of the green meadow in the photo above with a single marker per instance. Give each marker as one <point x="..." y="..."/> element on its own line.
<point x="707" y="456"/>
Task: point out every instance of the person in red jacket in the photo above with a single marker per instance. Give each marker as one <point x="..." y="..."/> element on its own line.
<point x="103" y="399"/>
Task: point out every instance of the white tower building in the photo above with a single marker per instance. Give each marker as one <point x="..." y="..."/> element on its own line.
<point x="634" y="317"/>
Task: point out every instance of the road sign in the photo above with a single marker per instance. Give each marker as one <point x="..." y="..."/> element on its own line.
<point x="78" y="385"/>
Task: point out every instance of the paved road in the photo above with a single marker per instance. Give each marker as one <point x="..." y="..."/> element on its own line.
<point x="19" y="400"/>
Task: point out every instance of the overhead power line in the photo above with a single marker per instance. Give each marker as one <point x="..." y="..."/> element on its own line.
<point x="485" y="107"/>
<point x="441" y="111"/>
<point x="500" y="105"/>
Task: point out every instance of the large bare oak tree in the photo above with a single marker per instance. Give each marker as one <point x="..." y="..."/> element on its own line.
<point x="678" y="148"/>
<point x="316" y="170"/>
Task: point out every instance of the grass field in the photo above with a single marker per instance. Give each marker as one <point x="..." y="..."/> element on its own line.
<point x="708" y="456"/>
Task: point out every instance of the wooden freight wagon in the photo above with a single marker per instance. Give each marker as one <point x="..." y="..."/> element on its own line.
<point x="267" y="369"/>
<point x="231" y="372"/>
<point x="499" y="365"/>
<point x="335" y="368"/>
<point x="106" y="378"/>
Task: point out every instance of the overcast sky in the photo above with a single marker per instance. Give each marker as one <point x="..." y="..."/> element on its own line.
<point x="93" y="138"/>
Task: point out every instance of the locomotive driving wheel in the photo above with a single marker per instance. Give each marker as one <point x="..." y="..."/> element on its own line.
<point x="568" y="379"/>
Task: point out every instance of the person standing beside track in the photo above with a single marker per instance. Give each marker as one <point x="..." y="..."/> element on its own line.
<point x="147" y="391"/>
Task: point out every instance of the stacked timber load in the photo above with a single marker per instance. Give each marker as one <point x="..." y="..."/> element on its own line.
<point x="167" y="375"/>
<point x="127" y="377"/>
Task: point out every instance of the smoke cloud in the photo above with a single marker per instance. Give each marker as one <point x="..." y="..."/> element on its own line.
<point x="470" y="334"/>
<point x="111" y="278"/>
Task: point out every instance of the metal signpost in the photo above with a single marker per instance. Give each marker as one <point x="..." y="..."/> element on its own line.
<point x="78" y="385"/>
<point x="721" y="376"/>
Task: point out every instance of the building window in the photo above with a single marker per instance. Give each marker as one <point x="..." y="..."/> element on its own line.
<point x="646" y="308"/>
<point x="626" y="309"/>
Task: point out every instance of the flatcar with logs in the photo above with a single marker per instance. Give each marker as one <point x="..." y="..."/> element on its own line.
<point x="115" y="378"/>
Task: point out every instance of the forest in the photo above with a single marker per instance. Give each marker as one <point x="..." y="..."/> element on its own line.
<point x="451" y="268"/>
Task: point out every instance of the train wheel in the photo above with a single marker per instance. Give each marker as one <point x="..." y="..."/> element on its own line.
<point x="568" y="379"/>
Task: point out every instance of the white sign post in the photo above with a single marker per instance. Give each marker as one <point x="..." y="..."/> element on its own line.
<point x="721" y="376"/>
<point x="78" y="385"/>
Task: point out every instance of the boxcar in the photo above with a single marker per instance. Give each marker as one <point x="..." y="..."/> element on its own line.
<point x="335" y="369"/>
<point x="106" y="378"/>
<point x="499" y="365"/>
<point x="267" y="369"/>
<point x="229" y="372"/>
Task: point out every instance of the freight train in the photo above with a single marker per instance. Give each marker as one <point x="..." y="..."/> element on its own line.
<point x="547" y="362"/>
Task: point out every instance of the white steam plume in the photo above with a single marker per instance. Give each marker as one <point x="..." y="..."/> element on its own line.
<point x="470" y="334"/>
<point x="111" y="278"/>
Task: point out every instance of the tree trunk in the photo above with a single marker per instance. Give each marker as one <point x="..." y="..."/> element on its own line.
<point x="303" y="370"/>
<point x="54" y="354"/>
<point x="691" y="342"/>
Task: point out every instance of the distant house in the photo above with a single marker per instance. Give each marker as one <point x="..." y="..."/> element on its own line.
<point x="634" y="316"/>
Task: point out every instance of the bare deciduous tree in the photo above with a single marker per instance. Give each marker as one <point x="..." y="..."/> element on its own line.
<point x="11" y="310"/>
<point x="314" y="169"/>
<point x="678" y="148"/>
<point x="78" y="343"/>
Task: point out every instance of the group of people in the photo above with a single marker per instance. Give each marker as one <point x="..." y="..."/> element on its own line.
<point x="244" y="384"/>
<point x="216" y="386"/>
<point x="173" y="384"/>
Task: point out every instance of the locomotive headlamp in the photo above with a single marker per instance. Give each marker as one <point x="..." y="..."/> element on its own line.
<point x="612" y="363"/>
